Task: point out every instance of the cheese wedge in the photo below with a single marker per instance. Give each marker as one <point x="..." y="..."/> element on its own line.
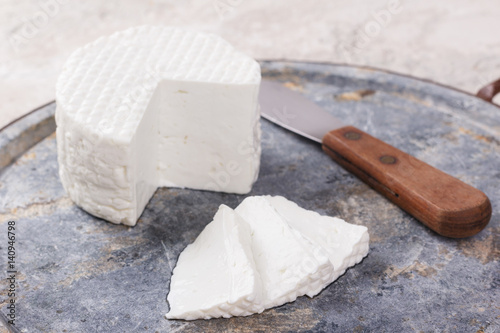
<point x="155" y="106"/>
<point x="346" y="244"/>
<point x="216" y="276"/>
<point x="289" y="264"/>
<point x="284" y="252"/>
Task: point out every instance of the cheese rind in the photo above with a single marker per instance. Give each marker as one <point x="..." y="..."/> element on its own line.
<point x="215" y="276"/>
<point x="155" y="106"/>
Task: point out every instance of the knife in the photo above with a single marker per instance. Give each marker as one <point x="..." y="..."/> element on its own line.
<point x="443" y="203"/>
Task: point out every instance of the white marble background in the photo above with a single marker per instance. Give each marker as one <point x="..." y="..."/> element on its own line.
<point x="454" y="42"/>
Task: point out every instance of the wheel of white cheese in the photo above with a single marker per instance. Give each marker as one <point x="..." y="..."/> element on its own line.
<point x="155" y="106"/>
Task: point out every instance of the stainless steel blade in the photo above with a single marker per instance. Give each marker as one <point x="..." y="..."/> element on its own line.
<point x="295" y="112"/>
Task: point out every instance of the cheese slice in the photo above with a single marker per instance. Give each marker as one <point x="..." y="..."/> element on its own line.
<point x="216" y="276"/>
<point x="155" y="106"/>
<point x="289" y="264"/>
<point x="265" y="253"/>
<point x="346" y="244"/>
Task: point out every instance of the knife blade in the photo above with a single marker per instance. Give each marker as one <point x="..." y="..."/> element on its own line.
<point x="440" y="201"/>
<point x="313" y="124"/>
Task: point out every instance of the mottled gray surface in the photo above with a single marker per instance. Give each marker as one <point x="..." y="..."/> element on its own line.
<point x="78" y="273"/>
<point x="17" y="137"/>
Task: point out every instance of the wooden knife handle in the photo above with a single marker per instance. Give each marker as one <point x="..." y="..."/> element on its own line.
<point x="442" y="202"/>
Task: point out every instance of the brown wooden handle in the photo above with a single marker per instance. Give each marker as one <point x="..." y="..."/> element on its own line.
<point x="442" y="202"/>
<point x="489" y="91"/>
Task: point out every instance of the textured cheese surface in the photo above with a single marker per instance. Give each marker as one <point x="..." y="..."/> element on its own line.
<point x="99" y="79"/>
<point x="215" y="276"/>
<point x="155" y="106"/>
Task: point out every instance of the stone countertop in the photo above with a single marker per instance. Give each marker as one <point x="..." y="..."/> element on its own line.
<point x="448" y="41"/>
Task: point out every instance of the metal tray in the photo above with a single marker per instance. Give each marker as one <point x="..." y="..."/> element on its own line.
<point x="77" y="273"/>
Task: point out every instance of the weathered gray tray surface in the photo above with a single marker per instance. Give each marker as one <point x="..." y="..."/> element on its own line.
<point x="78" y="273"/>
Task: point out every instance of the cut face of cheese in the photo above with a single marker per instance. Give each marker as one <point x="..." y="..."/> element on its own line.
<point x="289" y="264"/>
<point x="346" y="244"/>
<point x="155" y="106"/>
<point x="216" y="276"/>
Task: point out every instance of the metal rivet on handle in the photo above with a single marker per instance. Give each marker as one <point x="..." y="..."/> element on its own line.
<point x="352" y="135"/>
<point x="387" y="159"/>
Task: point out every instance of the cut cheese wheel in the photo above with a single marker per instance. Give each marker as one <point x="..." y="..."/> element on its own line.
<point x="215" y="276"/>
<point x="155" y="106"/>
<point x="289" y="264"/>
<point x="346" y="244"/>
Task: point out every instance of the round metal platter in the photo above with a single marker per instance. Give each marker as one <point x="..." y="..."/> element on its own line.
<point x="78" y="273"/>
